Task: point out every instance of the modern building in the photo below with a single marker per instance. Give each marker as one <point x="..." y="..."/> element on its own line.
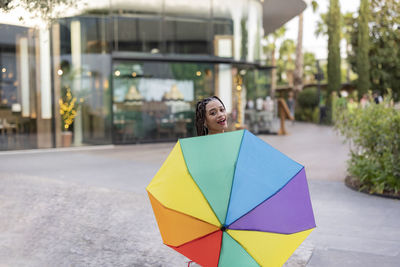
<point x="117" y="72"/>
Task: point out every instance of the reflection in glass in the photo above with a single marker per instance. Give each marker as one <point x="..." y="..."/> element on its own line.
<point x="138" y="34"/>
<point x="85" y="70"/>
<point x="181" y="38"/>
<point x="18" y="123"/>
<point x="157" y="103"/>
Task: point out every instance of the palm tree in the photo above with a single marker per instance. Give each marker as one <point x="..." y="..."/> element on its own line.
<point x="286" y="52"/>
<point x="271" y="50"/>
<point x="298" y="71"/>
<point x="346" y="29"/>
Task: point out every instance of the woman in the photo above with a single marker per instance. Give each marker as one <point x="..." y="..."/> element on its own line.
<point x="210" y="116"/>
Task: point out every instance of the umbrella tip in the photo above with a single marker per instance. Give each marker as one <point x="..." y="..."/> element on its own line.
<point x="223" y="228"/>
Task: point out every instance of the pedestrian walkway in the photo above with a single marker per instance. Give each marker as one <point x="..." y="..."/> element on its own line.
<point x="88" y="207"/>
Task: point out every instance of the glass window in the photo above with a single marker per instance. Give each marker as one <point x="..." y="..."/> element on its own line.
<point x="18" y="113"/>
<point x="238" y="12"/>
<point x="155" y="100"/>
<point x="96" y="33"/>
<point x="181" y="38"/>
<point x="223" y="27"/>
<point x="141" y="34"/>
<point x="80" y="54"/>
<point x="260" y="110"/>
<point x="223" y="38"/>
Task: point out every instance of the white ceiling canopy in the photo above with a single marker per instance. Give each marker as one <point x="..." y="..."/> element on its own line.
<point x="277" y="12"/>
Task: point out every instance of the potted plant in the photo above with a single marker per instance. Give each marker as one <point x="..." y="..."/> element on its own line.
<point x="68" y="112"/>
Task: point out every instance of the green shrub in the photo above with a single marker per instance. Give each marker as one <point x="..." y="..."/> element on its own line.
<point x="307" y="106"/>
<point x="374" y="135"/>
<point x="308" y="98"/>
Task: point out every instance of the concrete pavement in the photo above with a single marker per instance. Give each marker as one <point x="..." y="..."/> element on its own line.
<point x="88" y="207"/>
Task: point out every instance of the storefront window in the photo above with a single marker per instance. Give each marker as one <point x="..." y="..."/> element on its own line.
<point x="181" y="38"/>
<point x="223" y="27"/>
<point x="138" y="34"/>
<point x="155" y="100"/>
<point x="83" y="70"/>
<point x="260" y="113"/>
<point x="18" y="109"/>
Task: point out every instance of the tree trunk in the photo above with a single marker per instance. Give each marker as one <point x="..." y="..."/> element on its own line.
<point x="362" y="53"/>
<point x="298" y="71"/>
<point x="334" y="75"/>
<point x="273" y="73"/>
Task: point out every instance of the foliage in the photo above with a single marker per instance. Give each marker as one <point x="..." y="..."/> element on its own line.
<point x="270" y="47"/>
<point x="362" y="59"/>
<point x="285" y="64"/>
<point x="322" y="25"/>
<point x="310" y="68"/>
<point x="258" y="82"/>
<point x="67" y="109"/>
<point x="286" y="52"/>
<point x="374" y="132"/>
<point x="44" y="9"/>
<point x="243" y="47"/>
<point x="334" y="17"/>
<point x="384" y="51"/>
<point x="270" y="50"/>
<point x="307" y="105"/>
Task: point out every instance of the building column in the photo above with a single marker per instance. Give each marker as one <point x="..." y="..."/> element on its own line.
<point x="76" y="53"/>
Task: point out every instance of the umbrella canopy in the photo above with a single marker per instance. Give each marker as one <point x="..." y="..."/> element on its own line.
<point x="231" y="200"/>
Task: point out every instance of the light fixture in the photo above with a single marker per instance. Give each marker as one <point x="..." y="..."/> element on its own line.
<point x="60" y="72"/>
<point x="134" y="74"/>
<point x="198" y="73"/>
<point x="3" y="70"/>
<point x="117" y="73"/>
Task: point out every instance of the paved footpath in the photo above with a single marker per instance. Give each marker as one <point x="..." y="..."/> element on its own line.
<point x="88" y="207"/>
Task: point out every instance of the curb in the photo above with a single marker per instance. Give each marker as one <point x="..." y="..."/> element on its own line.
<point x="353" y="187"/>
<point x="56" y="149"/>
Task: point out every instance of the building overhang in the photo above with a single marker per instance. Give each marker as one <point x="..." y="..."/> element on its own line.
<point x="277" y="12"/>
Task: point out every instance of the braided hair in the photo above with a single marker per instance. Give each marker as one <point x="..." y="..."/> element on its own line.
<point x="201" y="114"/>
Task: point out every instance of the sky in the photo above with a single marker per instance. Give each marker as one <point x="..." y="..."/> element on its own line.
<point x="311" y="43"/>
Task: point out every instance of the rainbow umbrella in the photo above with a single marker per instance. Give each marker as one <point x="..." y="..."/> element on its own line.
<point x="231" y="200"/>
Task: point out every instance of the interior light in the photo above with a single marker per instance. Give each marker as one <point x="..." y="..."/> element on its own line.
<point x="198" y="73"/>
<point x="117" y="73"/>
<point x="134" y="74"/>
<point x="60" y="72"/>
<point x="3" y="70"/>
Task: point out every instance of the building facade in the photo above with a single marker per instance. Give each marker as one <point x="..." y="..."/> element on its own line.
<point x="118" y="72"/>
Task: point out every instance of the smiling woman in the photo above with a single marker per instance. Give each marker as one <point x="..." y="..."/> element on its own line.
<point x="210" y="116"/>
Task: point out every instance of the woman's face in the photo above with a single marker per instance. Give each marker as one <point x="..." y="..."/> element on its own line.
<point x="215" y="117"/>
